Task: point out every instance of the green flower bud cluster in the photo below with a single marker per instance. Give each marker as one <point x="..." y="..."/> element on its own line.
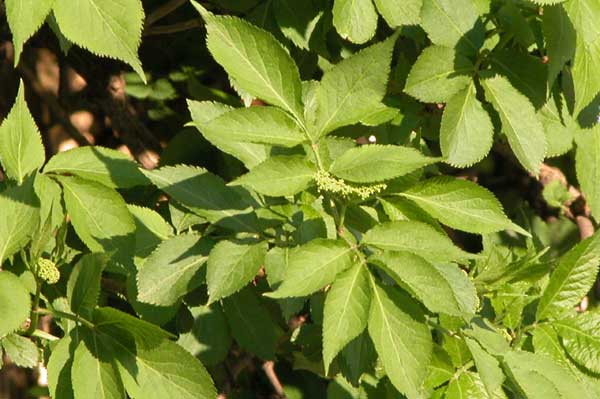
<point x="326" y="182"/>
<point x="47" y="271"/>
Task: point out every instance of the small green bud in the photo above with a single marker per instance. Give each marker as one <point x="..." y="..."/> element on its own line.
<point x="47" y="271"/>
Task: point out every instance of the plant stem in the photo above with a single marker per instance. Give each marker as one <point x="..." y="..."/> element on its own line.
<point x="64" y="315"/>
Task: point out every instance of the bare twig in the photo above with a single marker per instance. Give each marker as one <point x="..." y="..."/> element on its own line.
<point x="174" y="28"/>
<point x="163" y="11"/>
<point x="269" y="369"/>
<point x="576" y="209"/>
<point x="53" y="104"/>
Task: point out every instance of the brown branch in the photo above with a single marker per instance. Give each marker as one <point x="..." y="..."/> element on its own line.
<point x="163" y="11"/>
<point x="269" y="369"/>
<point x="576" y="209"/>
<point x="53" y="104"/>
<point x="174" y="28"/>
<point x="134" y="134"/>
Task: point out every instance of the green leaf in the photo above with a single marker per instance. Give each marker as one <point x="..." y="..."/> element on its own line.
<point x="19" y="218"/>
<point x="93" y="373"/>
<point x="400" y="12"/>
<point x="585" y="81"/>
<point x="298" y="21"/>
<point x="346" y="311"/>
<point x="312" y="266"/>
<point x="415" y="237"/>
<point x="209" y="339"/>
<point x="587" y="166"/>
<point x="466" y="132"/>
<point x="442" y="288"/>
<point x="373" y="163"/>
<point x="171" y="271"/>
<point x="468" y="385"/>
<point x="525" y="73"/>
<point x="572" y="279"/>
<point x="109" y="29"/>
<point x="560" y="36"/>
<point x="524" y="131"/>
<point x="440" y="368"/>
<point x="355" y="20"/>
<point x="205" y="194"/>
<point x="281" y="175"/>
<point x="103" y="165"/>
<point x="150" y="230"/>
<point x="540" y="378"/>
<point x="401" y="337"/>
<point x="461" y="204"/>
<point x="580" y="339"/>
<point x="453" y="23"/>
<point x="21" y="148"/>
<point x="22" y="351"/>
<point x="353" y="88"/>
<point x="546" y="341"/>
<point x="257" y="62"/>
<point x="490" y="338"/>
<point x="151" y="366"/>
<point x="59" y="369"/>
<point x="86" y="203"/>
<point x="584" y="15"/>
<point x="438" y="74"/>
<point x="231" y="265"/>
<point x="83" y="287"/>
<point x="488" y="368"/>
<point x="24" y="18"/>
<point x="249" y="153"/>
<point x="250" y="323"/>
<point x="15" y="303"/>
<point x="266" y="125"/>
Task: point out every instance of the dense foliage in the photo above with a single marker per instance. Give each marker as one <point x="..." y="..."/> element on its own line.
<point x="327" y="224"/>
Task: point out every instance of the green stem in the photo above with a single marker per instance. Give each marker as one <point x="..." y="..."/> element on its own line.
<point x="68" y="316"/>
